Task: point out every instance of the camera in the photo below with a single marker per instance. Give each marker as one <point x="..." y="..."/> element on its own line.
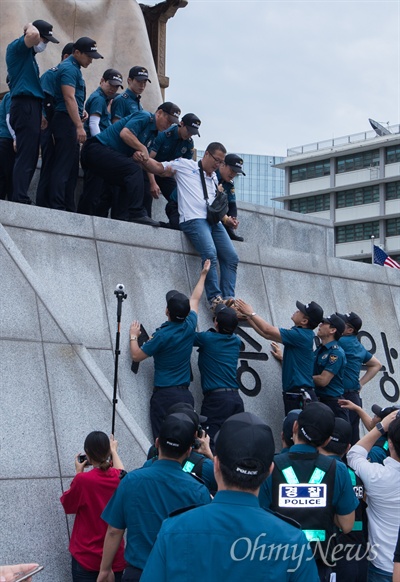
<point x="82" y="459"/>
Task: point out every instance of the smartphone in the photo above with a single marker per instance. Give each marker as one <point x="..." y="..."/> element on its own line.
<point x="28" y="574"/>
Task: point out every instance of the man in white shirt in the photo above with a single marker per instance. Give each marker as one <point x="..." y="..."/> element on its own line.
<point x="211" y="241"/>
<point x="382" y="486"/>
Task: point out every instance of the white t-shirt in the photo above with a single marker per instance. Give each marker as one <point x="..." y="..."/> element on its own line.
<point x="191" y="201"/>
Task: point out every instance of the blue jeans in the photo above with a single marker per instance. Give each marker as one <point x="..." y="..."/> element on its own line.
<point x="213" y="242"/>
<point x="377" y="575"/>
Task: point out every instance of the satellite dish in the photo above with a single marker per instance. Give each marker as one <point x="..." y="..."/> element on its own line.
<point x="379" y="129"/>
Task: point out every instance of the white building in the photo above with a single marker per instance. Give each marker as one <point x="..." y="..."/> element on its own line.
<point x="354" y="181"/>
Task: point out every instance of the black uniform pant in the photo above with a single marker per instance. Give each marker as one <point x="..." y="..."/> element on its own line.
<point x="354" y="419"/>
<point x="162" y="399"/>
<point x="25" y="119"/>
<point x="116" y="169"/>
<point x="293" y="398"/>
<point x="65" y="165"/>
<point x="7" y="157"/>
<point x="218" y="405"/>
<point x="338" y="411"/>
<point x="132" y="574"/>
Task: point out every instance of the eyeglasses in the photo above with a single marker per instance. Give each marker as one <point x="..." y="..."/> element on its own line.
<point x="216" y="160"/>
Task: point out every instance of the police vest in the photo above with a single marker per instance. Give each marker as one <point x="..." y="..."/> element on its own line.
<point x="302" y="489"/>
<point x="359" y="532"/>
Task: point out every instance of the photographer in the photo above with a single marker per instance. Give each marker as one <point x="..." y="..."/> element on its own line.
<point x="87" y="497"/>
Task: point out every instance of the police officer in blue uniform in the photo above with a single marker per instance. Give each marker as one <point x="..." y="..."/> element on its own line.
<point x="219" y="349"/>
<point x="298" y="356"/>
<point x="147" y="496"/>
<point x="129" y="101"/>
<point x="48" y="83"/>
<point x="233" y="538"/>
<point x="311" y="488"/>
<point x="228" y="170"/>
<point x="171" y="347"/>
<point x="26" y="102"/>
<point x="329" y="365"/>
<point x="7" y="152"/>
<point x="356" y="357"/>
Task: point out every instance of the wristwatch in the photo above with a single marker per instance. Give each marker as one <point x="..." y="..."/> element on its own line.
<point x="252" y="314"/>
<point x="380" y="428"/>
<point x="133" y="338"/>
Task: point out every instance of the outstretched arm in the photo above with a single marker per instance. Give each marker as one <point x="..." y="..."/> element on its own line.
<point x="263" y="328"/>
<point x="198" y="290"/>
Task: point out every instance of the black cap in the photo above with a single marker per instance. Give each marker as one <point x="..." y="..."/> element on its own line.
<point x="226" y="318"/>
<point x="336" y="322"/>
<point x="235" y="162"/>
<point x="139" y="73"/>
<point x="192" y="122"/>
<point x="177" y="432"/>
<point x="114" y="77"/>
<point x="313" y="311"/>
<point x="178" y="305"/>
<point x="287" y="427"/>
<point x="316" y="423"/>
<point x="45" y="30"/>
<point x="172" y="110"/>
<point x="342" y="431"/>
<point x="67" y="50"/>
<point x="351" y="319"/>
<point x="187" y="408"/>
<point x="245" y="444"/>
<point x="383" y="412"/>
<point x="87" y="45"/>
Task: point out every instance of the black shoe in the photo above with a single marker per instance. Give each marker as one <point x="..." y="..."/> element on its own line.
<point x="145" y="220"/>
<point x="233" y="235"/>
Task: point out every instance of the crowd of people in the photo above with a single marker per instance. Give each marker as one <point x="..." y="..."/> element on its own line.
<point x="213" y="499"/>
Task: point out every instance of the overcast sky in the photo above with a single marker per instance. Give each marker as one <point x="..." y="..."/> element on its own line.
<point x="267" y="75"/>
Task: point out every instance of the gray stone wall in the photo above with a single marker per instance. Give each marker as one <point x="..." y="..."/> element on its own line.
<point x="57" y="341"/>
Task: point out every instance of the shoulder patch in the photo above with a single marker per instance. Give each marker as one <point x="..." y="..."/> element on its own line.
<point x="333" y="358"/>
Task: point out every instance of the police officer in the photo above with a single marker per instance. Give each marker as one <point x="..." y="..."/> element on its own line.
<point x="175" y="142"/>
<point x="99" y="118"/>
<point x="129" y="101"/>
<point x="171" y="346"/>
<point x="7" y="152"/>
<point x="26" y="102"/>
<point x="233" y="538"/>
<point x="356" y="357"/>
<point x="48" y="83"/>
<point x="298" y="356"/>
<point x="219" y="349"/>
<point x="329" y="365"/>
<point x="146" y="497"/>
<point x="351" y="549"/>
<point x="109" y="156"/>
<point x="67" y="123"/>
<point x="228" y="170"/>
<point x="311" y="488"/>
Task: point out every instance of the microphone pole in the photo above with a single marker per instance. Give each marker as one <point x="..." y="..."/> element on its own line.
<point x="121" y="295"/>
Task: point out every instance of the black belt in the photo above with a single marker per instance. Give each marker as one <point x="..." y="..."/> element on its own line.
<point x="180" y="387"/>
<point x="27" y="97"/>
<point x="298" y="389"/>
<point x="221" y="390"/>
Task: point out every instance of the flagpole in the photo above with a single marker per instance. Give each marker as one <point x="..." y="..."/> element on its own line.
<point x="372" y="248"/>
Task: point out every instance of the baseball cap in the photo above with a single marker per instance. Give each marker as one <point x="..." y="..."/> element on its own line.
<point x="114" y="77"/>
<point x="383" y="412"/>
<point x="139" y="73"/>
<point x="187" y="408"/>
<point x="235" y="162"/>
<point x="316" y="423"/>
<point x="351" y="319"/>
<point x="178" y="305"/>
<point x="45" y="30"/>
<point x="177" y="432"/>
<point x="192" y="122"/>
<point x="341" y="432"/>
<point x="172" y="110"/>
<point x="227" y="318"/>
<point x="287" y="427"/>
<point x="245" y="444"/>
<point x="336" y="322"/>
<point x="87" y="45"/>
<point x="314" y="312"/>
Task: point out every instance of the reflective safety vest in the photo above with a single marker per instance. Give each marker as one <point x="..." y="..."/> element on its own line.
<point x="359" y="532"/>
<point x="302" y="489"/>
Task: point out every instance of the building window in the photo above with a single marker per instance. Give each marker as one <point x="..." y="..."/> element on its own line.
<point x="393" y="154"/>
<point x="354" y="232"/>
<point x="393" y="227"/>
<point x="310" y="171"/>
<point x="357" y="196"/>
<point x="316" y="203"/>
<point x="357" y="161"/>
<point x="393" y="191"/>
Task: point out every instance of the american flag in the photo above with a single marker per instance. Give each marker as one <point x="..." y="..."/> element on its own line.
<point x="381" y="258"/>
